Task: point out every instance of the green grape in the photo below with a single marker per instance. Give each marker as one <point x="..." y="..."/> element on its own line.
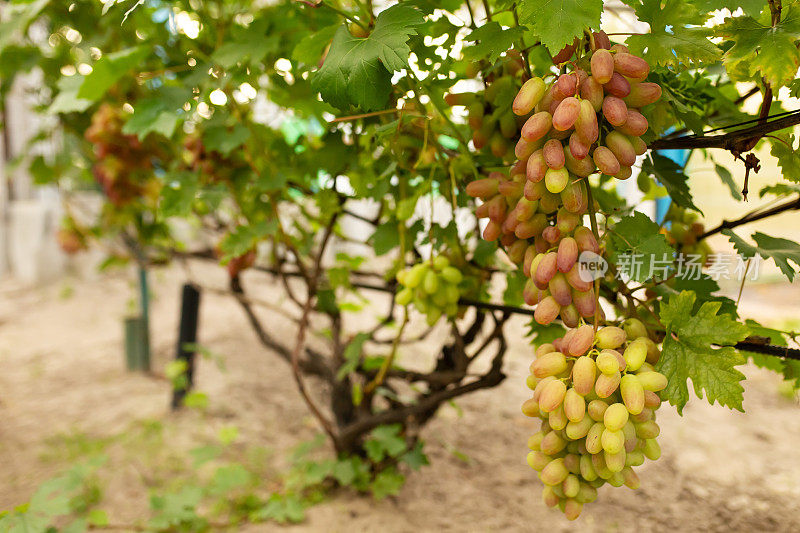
<point x="537" y="460"/>
<point x="612" y="441"/>
<point x="571" y="486"/>
<point x="632" y="393"/>
<point x="615" y="461"/>
<point x="554" y="473"/>
<point x="574" y="405"/>
<point x="615" y="417"/>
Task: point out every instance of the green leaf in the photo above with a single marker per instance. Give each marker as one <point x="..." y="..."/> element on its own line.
<point x="764" y="50"/>
<point x="492" y="40"/>
<point x="352" y="355"/>
<point x="670" y="174"/>
<point x="415" y="458"/>
<point x="727" y="178"/>
<point x="311" y="47"/>
<point x="67" y="100"/>
<point x="639" y="248"/>
<point x="689" y="352"/>
<point x="750" y="7"/>
<point x="152" y="116"/>
<point x="387" y="483"/>
<point x="97" y="517"/>
<point x="18" y="16"/>
<point x="225" y="140"/>
<point x="515" y="283"/>
<point x="541" y="334"/>
<point x="779" y="189"/>
<point x="230" y="477"/>
<point x="782" y="251"/>
<point x="385" y="440"/>
<point x="558" y="22"/>
<point x="109" y="69"/>
<point x="788" y="157"/>
<point x="358" y="71"/>
<point x="676" y="34"/>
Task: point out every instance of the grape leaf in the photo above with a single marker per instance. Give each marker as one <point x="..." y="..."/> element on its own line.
<point x="750" y="7"/>
<point x="764" y="50"/>
<point x="779" y="189"/>
<point x="358" y="71"/>
<point x="670" y="175"/>
<point x="67" y="100"/>
<point x="310" y="48"/>
<point x="779" y="250"/>
<point x="727" y="178"/>
<point x="676" y="34"/>
<point x="223" y="140"/>
<point x="788" y="157"/>
<point x="637" y="240"/>
<point x="558" y="22"/>
<point x="492" y="40"/>
<point x="109" y="69"/>
<point x="689" y="352"/>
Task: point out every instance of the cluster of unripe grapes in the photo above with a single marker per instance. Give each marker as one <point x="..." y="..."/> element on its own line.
<point x="596" y="394"/>
<point x="432" y="286"/>
<point x="124" y="165"/>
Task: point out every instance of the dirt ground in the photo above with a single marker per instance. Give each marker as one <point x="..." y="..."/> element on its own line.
<point x="63" y="392"/>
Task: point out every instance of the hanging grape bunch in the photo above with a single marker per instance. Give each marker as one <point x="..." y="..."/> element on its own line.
<point x="596" y="394"/>
<point x="683" y="234"/>
<point x="596" y="391"/>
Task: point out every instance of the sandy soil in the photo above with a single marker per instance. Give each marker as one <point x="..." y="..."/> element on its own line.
<point x="63" y="390"/>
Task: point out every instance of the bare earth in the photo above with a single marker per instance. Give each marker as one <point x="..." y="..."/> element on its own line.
<point x="62" y="380"/>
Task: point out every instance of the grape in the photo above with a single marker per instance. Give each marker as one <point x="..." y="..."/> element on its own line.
<point x="631" y="478"/>
<point x="647" y="430"/>
<point x="483" y="188"/>
<point x="536" y="166"/>
<point x="599" y="464"/>
<point x="643" y="94"/>
<point x="635" y="124"/>
<point x="529" y="95"/>
<point x="615" y="461"/>
<point x="610" y="337"/>
<point x="567" y="84"/>
<point x="550" y="364"/>
<point x="567" y="221"/>
<point x="508" y="128"/>
<point x="652" y="381"/>
<point x="552" y="443"/>
<point x="578" y="430"/>
<point x="584" y="302"/>
<point x="618" y="86"/>
<point x="530" y="408"/>
<point x="546" y="269"/>
<point x="597" y="410"/>
<point x="587" y="469"/>
<point x="580" y="167"/>
<point x="535" y="441"/>
<point x="624" y="173"/>
<point x="644" y="416"/>
<point x="572" y="509"/>
<point x="431" y="282"/>
<point x="530" y="228"/>
<point x="615" y="111"/>
<point x="634" y="458"/>
<point x="605" y="161"/>
<point x="525" y="209"/>
<point x="615" y="417"/>
<point x="577" y="147"/>
<point x="602" y="66"/>
<point x="555" y="472"/>
<point x="537" y="126"/>
<point x="565" y="53"/>
<point x="574" y="405"/>
<point x="651" y="449"/>
<point x="556" y="180"/>
<point x="592" y="91"/>
<point x="553" y="393"/>
<point x="497" y="207"/>
<point x="510" y="189"/>
<point x="585" y="239"/>
<point x="632" y="393"/>
<point x="586" y="127"/>
<point x="546" y="311"/>
<point x="553" y="154"/>
<point x="560" y="290"/>
<point x="594" y="438"/>
<point x="612" y="441"/>
<point x="606" y="384"/>
<point x="621" y="147"/>
<point x="651" y="399"/>
<point x="581" y="341"/>
<point x="639" y="146"/>
<point x="571" y="486"/>
<point x="557" y="418"/>
<point x="635" y="354"/>
<point x="566" y="113"/>
<point x="607" y="363"/>
<point x="631" y="66"/>
<point x="571" y="460"/>
<point x="549" y="497"/>
<point x="538" y="460"/>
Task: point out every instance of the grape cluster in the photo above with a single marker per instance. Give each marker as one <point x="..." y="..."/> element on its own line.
<point x="124" y="166"/>
<point x="596" y="394"/>
<point x="494" y="125"/>
<point x="432" y="286"/>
